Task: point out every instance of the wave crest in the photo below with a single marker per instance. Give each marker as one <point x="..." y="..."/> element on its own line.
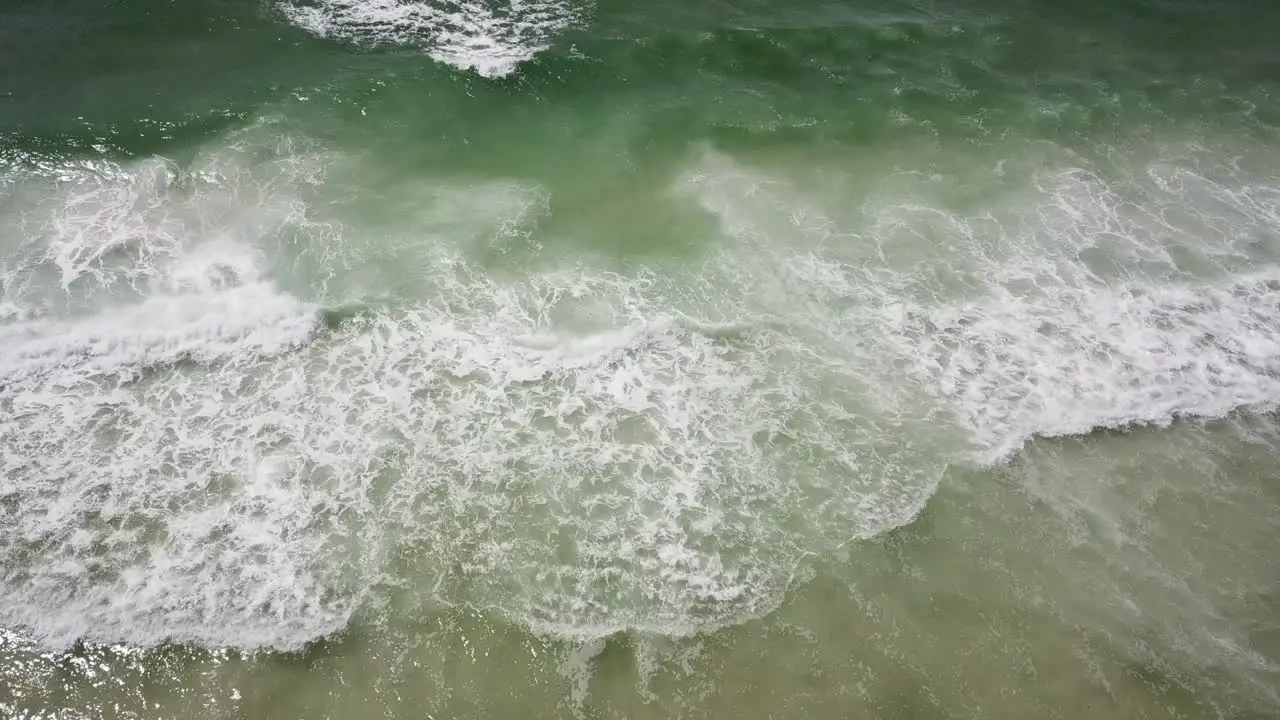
<point x="490" y="37"/>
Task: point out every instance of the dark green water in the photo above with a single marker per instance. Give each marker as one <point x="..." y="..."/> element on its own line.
<point x="675" y="360"/>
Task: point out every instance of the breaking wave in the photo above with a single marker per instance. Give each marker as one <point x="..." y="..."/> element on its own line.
<point x="490" y="37"/>
<point x="209" y="454"/>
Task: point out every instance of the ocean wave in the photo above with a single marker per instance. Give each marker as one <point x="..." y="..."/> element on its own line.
<point x="581" y="450"/>
<point x="491" y="38"/>
<point x="584" y="451"/>
<point x="1105" y="357"/>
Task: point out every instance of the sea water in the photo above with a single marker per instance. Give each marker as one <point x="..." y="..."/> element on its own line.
<point x="556" y="358"/>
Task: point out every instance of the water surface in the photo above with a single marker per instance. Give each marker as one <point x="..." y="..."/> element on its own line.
<point x="382" y="358"/>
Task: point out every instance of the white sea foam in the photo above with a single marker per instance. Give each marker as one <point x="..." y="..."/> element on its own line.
<point x="1101" y="357"/>
<point x="130" y="214"/>
<point x="491" y="37"/>
<point x="664" y="472"/>
<point x="1086" y="308"/>
<point x="584" y="451"/>
<point x="202" y="327"/>
<point x="1070" y="306"/>
<point x="166" y="268"/>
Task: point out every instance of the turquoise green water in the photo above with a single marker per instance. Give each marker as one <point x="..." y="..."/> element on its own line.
<point x="553" y="359"/>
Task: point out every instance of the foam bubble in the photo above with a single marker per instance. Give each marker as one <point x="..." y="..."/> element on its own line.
<point x="491" y="38"/>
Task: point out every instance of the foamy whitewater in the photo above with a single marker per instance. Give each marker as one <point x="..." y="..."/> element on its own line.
<point x="204" y="453"/>
<point x="665" y="360"/>
<point x="491" y="37"/>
